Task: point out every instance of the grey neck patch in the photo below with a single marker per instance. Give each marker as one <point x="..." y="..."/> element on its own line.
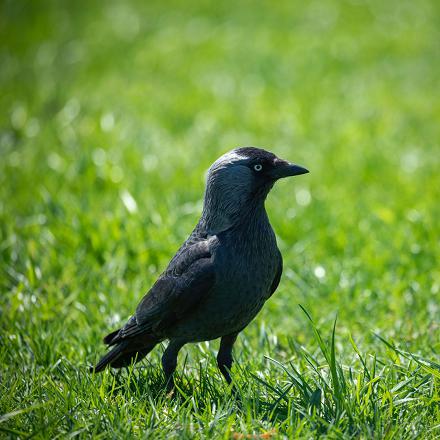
<point x="230" y="193"/>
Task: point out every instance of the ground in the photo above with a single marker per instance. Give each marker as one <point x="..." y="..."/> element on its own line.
<point x="111" y="114"/>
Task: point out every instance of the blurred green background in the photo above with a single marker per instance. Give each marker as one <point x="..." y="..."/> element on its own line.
<point x="111" y="112"/>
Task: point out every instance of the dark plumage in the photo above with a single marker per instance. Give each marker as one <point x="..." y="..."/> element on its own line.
<point x="221" y="276"/>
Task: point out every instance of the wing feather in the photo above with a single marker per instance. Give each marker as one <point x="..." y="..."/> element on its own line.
<point x="176" y="293"/>
<point x="276" y="280"/>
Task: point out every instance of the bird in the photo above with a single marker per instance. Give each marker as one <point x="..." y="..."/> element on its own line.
<point x="220" y="277"/>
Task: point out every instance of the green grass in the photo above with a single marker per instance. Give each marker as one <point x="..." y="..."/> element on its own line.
<point x="104" y="103"/>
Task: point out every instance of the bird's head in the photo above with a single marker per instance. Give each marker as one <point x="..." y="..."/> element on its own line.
<point x="239" y="181"/>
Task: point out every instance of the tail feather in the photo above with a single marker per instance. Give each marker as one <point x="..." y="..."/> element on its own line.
<point x="125" y="352"/>
<point x="129" y="358"/>
<point x="108" y="339"/>
<point x="112" y="356"/>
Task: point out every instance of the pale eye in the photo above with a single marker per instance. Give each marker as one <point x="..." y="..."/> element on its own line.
<point x="258" y="167"/>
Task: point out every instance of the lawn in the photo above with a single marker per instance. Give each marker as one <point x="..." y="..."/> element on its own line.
<point x="111" y="114"/>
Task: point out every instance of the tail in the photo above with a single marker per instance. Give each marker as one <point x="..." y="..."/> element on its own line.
<point x="126" y="351"/>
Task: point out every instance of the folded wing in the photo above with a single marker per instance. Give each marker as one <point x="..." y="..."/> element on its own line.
<point x="176" y="293"/>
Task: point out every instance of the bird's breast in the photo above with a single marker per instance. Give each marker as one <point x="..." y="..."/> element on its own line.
<point x="244" y="276"/>
<point x="245" y="269"/>
<point x="246" y="273"/>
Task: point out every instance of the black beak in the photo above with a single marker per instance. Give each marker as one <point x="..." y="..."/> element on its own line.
<point x="286" y="169"/>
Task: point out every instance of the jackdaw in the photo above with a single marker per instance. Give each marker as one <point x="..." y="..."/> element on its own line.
<point x="220" y="277"/>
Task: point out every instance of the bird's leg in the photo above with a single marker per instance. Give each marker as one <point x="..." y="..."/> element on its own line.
<point x="224" y="356"/>
<point x="169" y="362"/>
